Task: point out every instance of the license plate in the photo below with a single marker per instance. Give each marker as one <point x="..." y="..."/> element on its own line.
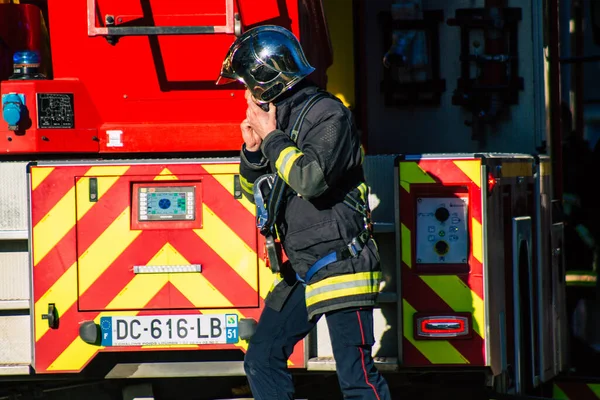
<point x="157" y="330"/>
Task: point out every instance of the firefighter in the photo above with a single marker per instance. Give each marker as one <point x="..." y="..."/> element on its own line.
<point x="322" y="220"/>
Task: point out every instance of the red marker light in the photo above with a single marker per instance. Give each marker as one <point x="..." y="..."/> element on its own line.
<point x="442" y="326"/>
<point x="491" y="182"/>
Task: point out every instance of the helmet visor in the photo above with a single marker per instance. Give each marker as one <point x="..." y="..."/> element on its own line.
<point x="221" y="80"/>
<point x="228" y="74"/>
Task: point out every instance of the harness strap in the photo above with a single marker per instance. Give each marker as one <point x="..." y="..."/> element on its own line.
<point x="351" y="250"/>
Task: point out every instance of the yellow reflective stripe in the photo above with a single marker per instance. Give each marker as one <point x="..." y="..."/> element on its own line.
<point x="61" y="218"/>
<point x="221" y="168"/>
<point x="62" y="293"/>
<point x="54" y="226"/>
<point x="406" y="246"/>
<point x="224" y="173"/>
<point x="278" y="279"/>
<point x="234" y="251"/>
<point x="595" y="387"/>
<point x="558" y="394"/>
<point x="334" y="294"/>
<point x="196" y="288"/>
<point x="476" y="240"/>
<point x="104" y="183"/>
<point x="436" y="351"/>
<point x="105" y="250"/>
<point x="165" y="175"/>
<point x="38" y="174"/>
<point x="459" y="297"/>
<point x="472" y="169"/>
<point x="410" y="172"/>
<point x="248" y="187"/>
<point x="351" y="284"/>
<point x="375" y="276"/>
<point x="362" y="188"/>
<point x="136" y="294"/>
<point x="286" y="159"/>
<point x="109" y="171"/>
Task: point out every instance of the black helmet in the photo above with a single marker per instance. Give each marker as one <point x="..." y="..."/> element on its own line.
<point x="268" y="60"/>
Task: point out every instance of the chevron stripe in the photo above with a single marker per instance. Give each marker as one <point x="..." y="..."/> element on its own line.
<point x="424" y="299"/>
<point x="39" y="176"/>
<point x="96" y="220"/>
<point x="60" y="220"/>
<point x="576" y="390"/>
<point x="101" y="293"/>
<point x="136" y="294"/>
<point x="234" y="251"/>
<point x="105" y="250"/>
<point x="442" y="293"/>
<point x="218" y="271"/>
<point x="224" y="173"/>
<point x="459" y="297"/>
<point x="471" y="168"/>
<point x="50" y="188"/>
<point x="62" y="294"/>
<point x="411" y="172"/>
<point x="109" y="248"/>
<point x="139" y="292"/>
<point x="165" y="175"/>
<point x="436" y="352"/>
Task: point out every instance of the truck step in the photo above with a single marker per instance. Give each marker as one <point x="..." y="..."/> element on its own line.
<point x="14" y="369"/>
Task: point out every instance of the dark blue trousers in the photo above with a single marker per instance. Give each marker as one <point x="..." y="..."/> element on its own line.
<point x="351" y="333"/>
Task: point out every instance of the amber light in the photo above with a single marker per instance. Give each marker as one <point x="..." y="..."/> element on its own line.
<point x="442" y="326"/>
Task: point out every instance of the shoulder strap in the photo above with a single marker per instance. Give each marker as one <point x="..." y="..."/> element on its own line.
<point x="279" y="185"/>
<point x="300" y="119"/>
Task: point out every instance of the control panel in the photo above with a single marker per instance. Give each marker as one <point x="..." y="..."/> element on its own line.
<point x="442" y="235"/>
<point x="166" y="203"/>
<point x="173" y="204"/>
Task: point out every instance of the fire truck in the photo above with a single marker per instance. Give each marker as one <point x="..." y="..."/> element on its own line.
<point x="127" y="251"/>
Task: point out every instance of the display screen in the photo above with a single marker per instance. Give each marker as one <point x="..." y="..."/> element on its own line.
<point x="166" y="203"/>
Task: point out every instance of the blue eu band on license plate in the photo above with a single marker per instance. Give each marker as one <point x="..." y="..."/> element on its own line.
<point x="157" y="330"/>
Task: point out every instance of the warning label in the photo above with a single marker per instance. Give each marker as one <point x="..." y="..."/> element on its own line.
<point x="55" y="111"/>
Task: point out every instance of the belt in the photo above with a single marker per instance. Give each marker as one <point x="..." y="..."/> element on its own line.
<point x="351" y="250"/>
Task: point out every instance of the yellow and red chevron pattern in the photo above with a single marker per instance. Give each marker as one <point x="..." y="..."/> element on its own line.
<point x="84" y="251"/>
<point x="574" y="390"/>
<point x="460" y="292"/>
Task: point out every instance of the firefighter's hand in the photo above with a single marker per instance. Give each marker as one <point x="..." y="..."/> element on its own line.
<point x="250" y="137"/>
<point x="262" y="122"/>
